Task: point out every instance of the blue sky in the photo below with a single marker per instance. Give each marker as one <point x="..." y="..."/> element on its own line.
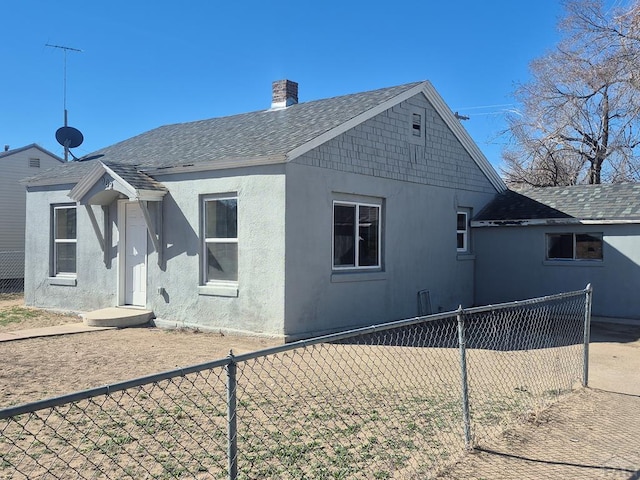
<point x="146" y="64"/>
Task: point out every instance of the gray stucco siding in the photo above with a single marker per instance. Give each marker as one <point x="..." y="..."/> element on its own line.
<point x="259" y="305"/>
<point x="513" y="267"/>
<point x="173" y="286"/>
<point x="95" y="283"/>
<point x="385" y="147"/>
<point x="418" y="243"/>
<point x="16" y="166"/>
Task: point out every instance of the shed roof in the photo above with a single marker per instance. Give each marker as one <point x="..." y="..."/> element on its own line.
<point x="587" y="203"/>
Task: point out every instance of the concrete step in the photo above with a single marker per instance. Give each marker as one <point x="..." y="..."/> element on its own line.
<point x="119" y="317"/>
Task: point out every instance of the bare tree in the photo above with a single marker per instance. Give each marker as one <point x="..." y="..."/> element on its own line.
<point x="580" y="116"/>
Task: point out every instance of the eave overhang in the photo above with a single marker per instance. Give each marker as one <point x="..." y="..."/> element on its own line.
<point x="551" y="222"/>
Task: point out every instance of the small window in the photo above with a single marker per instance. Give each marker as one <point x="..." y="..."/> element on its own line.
<point x="574" y="246"/>
<point x="64" y="240"/>
<point x="417" y="124"/>
<point x="356" y="235"/>
<point x="220" y="239"/>
<point x="34" y="162"/>
<point x="462" y="232"/>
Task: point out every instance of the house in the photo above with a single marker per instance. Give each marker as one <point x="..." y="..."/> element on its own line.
<point x="16" y="164"/>
<point x="289" y="222"/>
<point x="547" y="240"/>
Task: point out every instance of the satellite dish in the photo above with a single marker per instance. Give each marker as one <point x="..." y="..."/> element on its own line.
<point x="69" y="137"/>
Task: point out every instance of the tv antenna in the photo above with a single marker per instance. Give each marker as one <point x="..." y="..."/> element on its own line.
<point x="67" y="136"/>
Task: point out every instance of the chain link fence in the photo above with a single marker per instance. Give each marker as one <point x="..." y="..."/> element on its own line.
<point x="12" y="271"/>
<point x="401" y="400"/>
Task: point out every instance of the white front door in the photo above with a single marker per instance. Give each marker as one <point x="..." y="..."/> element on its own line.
<point x="135" y="256"/>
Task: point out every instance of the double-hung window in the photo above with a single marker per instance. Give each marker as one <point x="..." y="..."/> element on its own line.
<point x="462" y="232"/>
<point x="220" y="239"/>
<point x="64" y="240"/>
<point x="574" y="246"/>
<point x="356" y="235"/>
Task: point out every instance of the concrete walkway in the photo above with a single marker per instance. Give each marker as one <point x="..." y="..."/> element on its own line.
<point x="95" y="321"/>
<point x="65" y="329"/>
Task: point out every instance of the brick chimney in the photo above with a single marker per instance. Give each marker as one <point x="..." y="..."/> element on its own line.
<point x="284" y="93"/>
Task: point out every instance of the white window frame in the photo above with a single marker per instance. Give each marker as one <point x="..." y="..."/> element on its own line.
<point x="465" y="232"/>
<point x="574" y="252"/>
<point x="356" y="266"/>
<point x="62" y="241"/>
<point x="213" y="240"/>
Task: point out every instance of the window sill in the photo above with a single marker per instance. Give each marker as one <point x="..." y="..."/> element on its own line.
<point x="466" y="256"/>
<point x="65" y="281"/>
<point x="574" y="263"/>
<point x="357" y="276"/>
<point x="218" y="290"/>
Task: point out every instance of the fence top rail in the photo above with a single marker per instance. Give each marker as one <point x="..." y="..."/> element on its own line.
<point x="111" y="388"/>
<point x="180" y="372"/>
<point x="334" y="337"/>
<point x="531" y="301"/>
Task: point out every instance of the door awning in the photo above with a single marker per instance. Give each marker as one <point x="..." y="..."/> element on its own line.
<point x="106" y="182"/>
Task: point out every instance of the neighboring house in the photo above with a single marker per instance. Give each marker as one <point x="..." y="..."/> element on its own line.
<point x="16" y="165"/>
<point x="547" y="240"/>
<point x="293" y="221"/>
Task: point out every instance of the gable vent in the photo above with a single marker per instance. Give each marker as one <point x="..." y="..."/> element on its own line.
<point x="34" y="162"/>
<point x="417" y="124"/>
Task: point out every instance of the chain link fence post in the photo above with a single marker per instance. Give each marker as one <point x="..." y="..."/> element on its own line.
<point x="232" y="426"/>
<point x="587" y="333"/>
<point x="463" y="375"/>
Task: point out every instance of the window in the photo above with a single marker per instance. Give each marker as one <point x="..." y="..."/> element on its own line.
<point x="220" y="246"/>
<point x="64" y="240"/>
<point x="574" y="246"/>
<point x="462" y="231"/>
<point x="356" y="235"/>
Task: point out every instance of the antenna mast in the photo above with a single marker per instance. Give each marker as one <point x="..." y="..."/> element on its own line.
<point x="64" y="97"/>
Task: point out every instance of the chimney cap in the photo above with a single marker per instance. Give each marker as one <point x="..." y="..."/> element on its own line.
<point x="284" y="93"/>
<point x="6" y="148"/>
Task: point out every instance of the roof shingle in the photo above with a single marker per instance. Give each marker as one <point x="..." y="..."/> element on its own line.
<point x="581" y="202"/>
<point x="250" y="135"/>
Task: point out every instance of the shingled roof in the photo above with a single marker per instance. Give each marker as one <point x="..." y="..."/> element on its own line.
<point x="259" y="138"/>
<point x="592" y="203"/>
<point x="264" y="133"/>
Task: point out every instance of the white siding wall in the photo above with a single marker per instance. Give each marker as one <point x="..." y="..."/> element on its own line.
<point x="13" y="168"/>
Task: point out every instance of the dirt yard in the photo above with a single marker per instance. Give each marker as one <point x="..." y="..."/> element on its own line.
<point x="38" y="368"/>
<point x="598" y="423"/>
<point x="43" y="367"/>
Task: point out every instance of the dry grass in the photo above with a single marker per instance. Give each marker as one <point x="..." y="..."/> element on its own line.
<point x="15" y="316"/>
